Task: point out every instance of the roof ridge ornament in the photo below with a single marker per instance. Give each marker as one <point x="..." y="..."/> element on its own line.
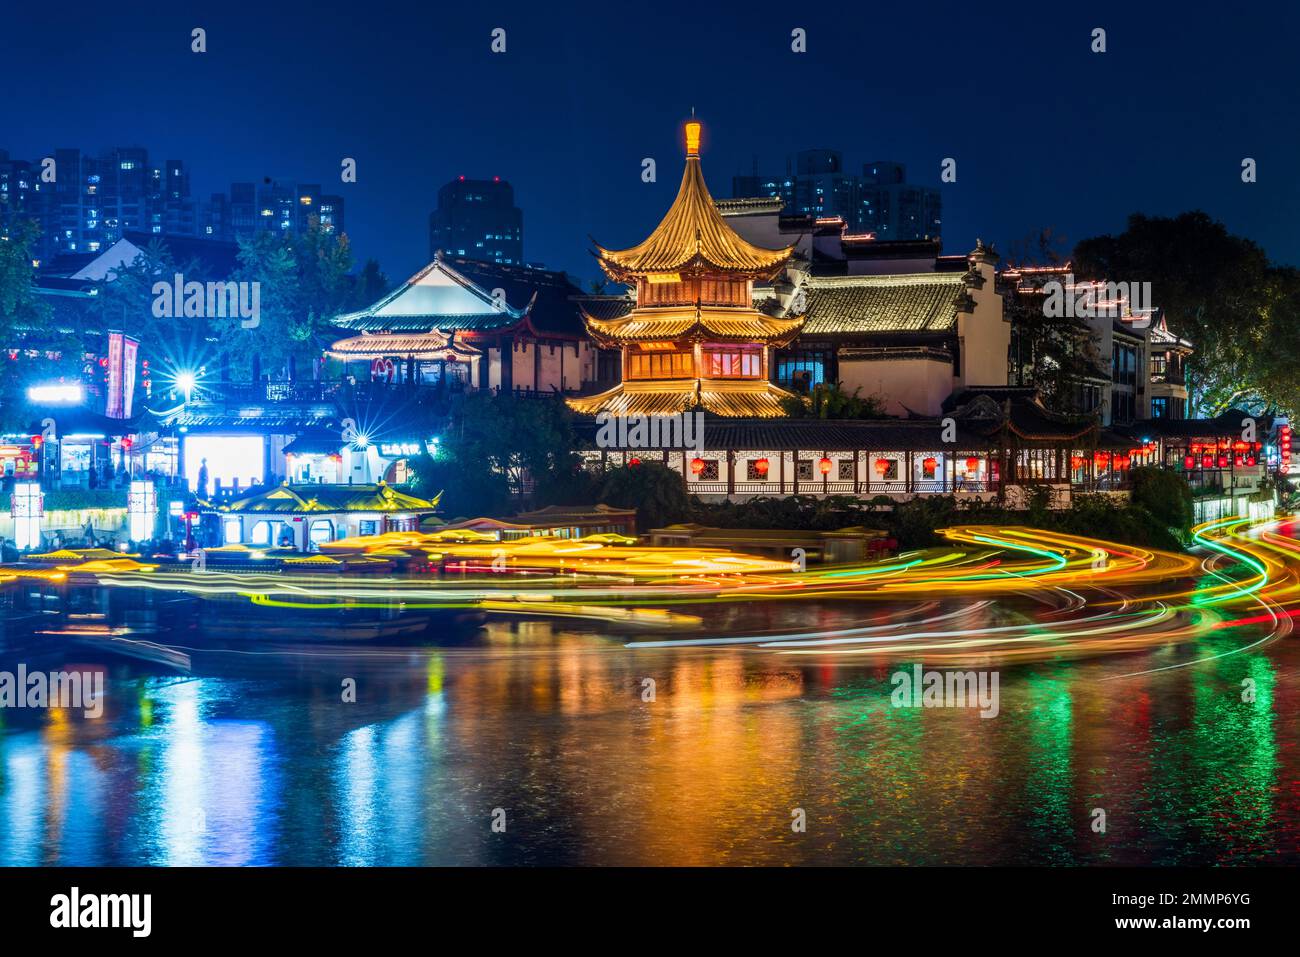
<point x="693" y="128"/>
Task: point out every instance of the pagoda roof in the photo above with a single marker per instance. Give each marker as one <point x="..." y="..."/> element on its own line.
<point x="308" y="498"/>
<point x="913" y="303"/>
<point x="717" y="323"/>
<point x="552" y="293"/>
<point x="692" y="236"/>
<point x="745" y="398"/>
<point x="437" y="297"/>
<point x="424" y="345"/>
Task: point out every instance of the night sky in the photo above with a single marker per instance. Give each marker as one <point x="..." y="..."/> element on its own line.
<point x="1045" y="133"/>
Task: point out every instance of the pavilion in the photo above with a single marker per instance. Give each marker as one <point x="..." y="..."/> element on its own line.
<point x="310" y="515"/>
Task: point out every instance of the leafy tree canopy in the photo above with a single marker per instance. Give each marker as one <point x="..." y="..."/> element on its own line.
<point x="1219" y="291"/>
<point x="828" y="400"/>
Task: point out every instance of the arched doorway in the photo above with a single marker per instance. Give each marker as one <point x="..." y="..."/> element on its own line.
<point x="322" y="530"/>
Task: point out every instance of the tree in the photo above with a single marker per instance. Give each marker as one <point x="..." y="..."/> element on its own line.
<point x="522" y="439"/>
<point x="303" y="284"/>
<point x="1051" y="353"/>
<point x="1166" y="495"/>
<point x="657" y="492"/>
<point x="26" y="321"/>
<point x="371" y="285"/>
<point x="1219" y="291"/>
<point x="124" y="300"/>
<point x="828" y="400"/>
<point x="468" y="491"/>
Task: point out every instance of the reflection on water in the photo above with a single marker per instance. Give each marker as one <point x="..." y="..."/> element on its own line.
<point x="258" y="760"/>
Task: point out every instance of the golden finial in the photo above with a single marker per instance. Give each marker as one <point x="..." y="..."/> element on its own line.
<point x="693" y="135"/>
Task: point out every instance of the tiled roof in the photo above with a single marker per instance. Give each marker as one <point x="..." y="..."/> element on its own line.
<point x="676" y="322"/>
<point x="217" y="259"/>
<point x="331" y="498"/>
<point x="606" y="308"/>
<point x="576" y="513"/>
<point x="692" y="232"/>
<point x="892" y="353"/>
<point x="922" y="302"/>
<point x="277" y="421"/>
<point x="316" y="442"/>
<point x="749" y="204"/>
<point x="817" y="435"/>
<point x="422" y="346"/>
<point x="1227" y="424"/>
<point x="425" y="323"/>
<point x="553" y="310"/>
<point x="746" y="398"/>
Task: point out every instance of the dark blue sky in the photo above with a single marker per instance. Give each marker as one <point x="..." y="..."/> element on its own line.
<point x="1045" y="132"/>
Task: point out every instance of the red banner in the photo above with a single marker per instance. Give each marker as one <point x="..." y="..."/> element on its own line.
<point x="130" y="347"/>
<point x="114" y="408"/>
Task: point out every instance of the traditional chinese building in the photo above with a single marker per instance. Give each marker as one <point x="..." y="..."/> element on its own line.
<point x="466" y="324"/>
<point x="693" y="338"/>
<point x="305" y="516"/>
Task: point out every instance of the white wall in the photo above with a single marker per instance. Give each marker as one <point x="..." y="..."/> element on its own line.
<point x="985" y="335"/>
<point x="917" y="384"/>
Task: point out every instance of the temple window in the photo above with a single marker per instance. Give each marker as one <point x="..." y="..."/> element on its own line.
<point x="802" y="369"/>
<point x="733" y="365"/>
<point x="659" y="365"/>
<point x="672" y="290"/>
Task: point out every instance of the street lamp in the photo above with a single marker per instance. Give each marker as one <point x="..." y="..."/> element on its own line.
<point x="187" y="382"/>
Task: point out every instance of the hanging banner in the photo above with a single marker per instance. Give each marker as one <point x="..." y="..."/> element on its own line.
<point x="114" y="406"/>
<point x="130" y="348"/>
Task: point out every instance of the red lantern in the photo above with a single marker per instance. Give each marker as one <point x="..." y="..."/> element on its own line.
<point x="1076" y="461"/>
<point x="1223" y="461"/>
<point x="930" y="464"/>
<point x="1207" y="461"/>
<point x="972" y="464"/>
<point x="761" y="466"/>
<point x="36" y="441"/>
<point x="633" y="462"/>
<point x="825" y="465"/>
<point x="697" y="466"/>
<point x="1250" y="460"/>
<point x="882" y="466"/>
<point x="1189" y="462"/>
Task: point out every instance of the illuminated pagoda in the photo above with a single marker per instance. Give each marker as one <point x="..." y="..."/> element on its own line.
<point x="693" y="339"/>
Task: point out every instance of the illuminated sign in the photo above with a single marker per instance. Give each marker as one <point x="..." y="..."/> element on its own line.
<point x="400" y="448"/>
<point x="142" y="509"/>
<point x="70" y="394"/>
<point x="27" y="507"/>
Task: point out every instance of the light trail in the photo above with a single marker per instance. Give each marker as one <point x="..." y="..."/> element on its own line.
<point x="1093" y="597"/>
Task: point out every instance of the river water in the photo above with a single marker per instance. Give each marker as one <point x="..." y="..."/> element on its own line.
<point x="534" y="744"/>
